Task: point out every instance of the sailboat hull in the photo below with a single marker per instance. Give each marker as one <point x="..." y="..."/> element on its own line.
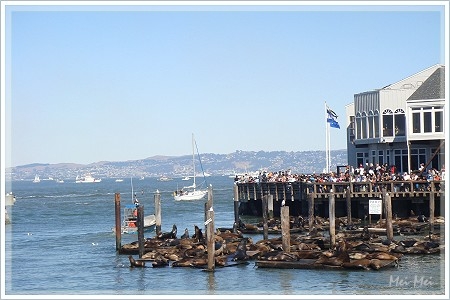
<point x="192" y="195"/>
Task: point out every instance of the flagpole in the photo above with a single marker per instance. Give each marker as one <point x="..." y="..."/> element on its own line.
<point x="329" y="148"/>
<point x="326" y="138"/>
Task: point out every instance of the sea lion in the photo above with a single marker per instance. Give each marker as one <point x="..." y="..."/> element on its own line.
<point x="241" y="251"/>
<point x="198" y="235"/>
<point x="357" y="264"/>
<point x="185" y="234"/>
<point x="422" y="219"/>
<point x="307" y="254"/>
<point x="160" y="261"/>
<point x="381" y="256"/>
<point x="365" y="235"/>
<point x="136" y="263"/>
<point x="168" y="235"/>
<point x="377" y="264"/>
<point x="190" y="253"/>
<point x="190" y="262"/>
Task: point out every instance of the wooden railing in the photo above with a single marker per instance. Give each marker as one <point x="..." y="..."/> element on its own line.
<point x="300" y="190"/>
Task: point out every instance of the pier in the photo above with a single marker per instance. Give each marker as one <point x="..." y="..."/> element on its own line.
<point x="408" y="197"/>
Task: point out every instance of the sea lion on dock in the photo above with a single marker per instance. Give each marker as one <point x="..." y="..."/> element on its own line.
<point x="185" y="234"/>
<point x="198" y="235"/>
<point x="136" y="263"/>
<point x="241" y="251"/>
<point x="160" y="261"/>
<point x="362" y="263"/>
<point x="168" y="235"/>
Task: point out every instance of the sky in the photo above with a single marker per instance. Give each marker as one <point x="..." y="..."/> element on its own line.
<point x="88" y="83"/>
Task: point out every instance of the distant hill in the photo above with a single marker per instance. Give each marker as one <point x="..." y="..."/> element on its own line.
<point x="214" y="164"/>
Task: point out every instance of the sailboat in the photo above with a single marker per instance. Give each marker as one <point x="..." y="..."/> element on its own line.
<point x="36" y="179"/>
<point x="190" y="192"/>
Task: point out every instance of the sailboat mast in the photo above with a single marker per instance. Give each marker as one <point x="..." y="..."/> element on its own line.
<point x="132" y="192"/>
<point x="193" y="158"/>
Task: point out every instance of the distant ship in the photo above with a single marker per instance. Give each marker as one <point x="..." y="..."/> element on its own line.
<point x="88" y="178"/>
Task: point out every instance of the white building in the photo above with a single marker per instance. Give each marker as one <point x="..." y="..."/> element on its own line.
<point x="401" y="124"/>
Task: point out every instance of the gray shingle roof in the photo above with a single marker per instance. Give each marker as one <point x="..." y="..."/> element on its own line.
<point x="432" y="88"/>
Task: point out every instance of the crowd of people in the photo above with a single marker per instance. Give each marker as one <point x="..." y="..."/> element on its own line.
<point x="369" y="173"/>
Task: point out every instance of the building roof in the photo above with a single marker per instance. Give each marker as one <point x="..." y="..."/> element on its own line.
<point x="432" y="88"/>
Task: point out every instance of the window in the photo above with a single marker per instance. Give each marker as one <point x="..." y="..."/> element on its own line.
<point x="416" y="122"/>
<point x="427" y="125"/>
<point x="388" y="123"/>
<point x="364" y="125"/>
<point x="351" y="129"/>
<point x="428" y="119"/>
<point x="401" y="160"/>
<point x="358" y="126"/>
<point x="370" y="125"/>
<point x="417" y="157"/>
<point x="380" y="157"/>
<point x="400" y="121"/>
<point x="376" y="120"/>
<point x="438" y="124"/>
<point x="360" y="158"/>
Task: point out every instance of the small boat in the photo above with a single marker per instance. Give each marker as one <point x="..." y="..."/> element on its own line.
<point x="59" y="181"/>
<point x="186" y="178"/>
<point x="88" y="178"/>
<point x="142" y="178"/>
<point x="36" y="179"/>
<point x="119" y="180"/>
<point x="129" y="220"/>
<point x="165" y="178"/>
<point x="10" y="199"/>
<point x="129" y="217"/>
<point x="190" y="192"/>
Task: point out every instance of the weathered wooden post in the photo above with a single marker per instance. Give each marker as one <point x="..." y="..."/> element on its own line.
<point x="208" y="205"/>
<point x="118" y="221"/>
<point x="270" y="206"/>
<point x="388" y="215"/>
<point x="311" y="211"/>
<point x="140" y="228"/>
<point x="236" y="204"/>
<point x="285" y="233"/>
<point x="431" y="220"/>
<point x="331" y="207"/>
<point x="210" y="230"/>
<point x="157" y="198"/>
<point x="264" y="214"/>
<point x="349" y="205"/>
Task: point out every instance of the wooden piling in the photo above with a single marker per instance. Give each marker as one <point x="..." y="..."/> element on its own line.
<point x="349" y="206"/>
<point x="311" y="210"/>
<point x="331" y="206"/>
<point x="140" y="228"/>
<point x="431" y="219"/>
<point x="264" y="214"/>
<point x="157" y="198"/>
<point x="118" y="221"/>
<point x="285" y="229"/>
<point x="270" y="205"/>
<point x="236" y="204"/>
<point x="388" y="215"/>
<point x="210" y="230"/>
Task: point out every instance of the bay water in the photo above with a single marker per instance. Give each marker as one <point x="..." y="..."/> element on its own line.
<point x="60" y="242"/>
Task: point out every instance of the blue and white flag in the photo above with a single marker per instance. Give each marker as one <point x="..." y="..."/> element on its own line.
<point x="331" y="118"/>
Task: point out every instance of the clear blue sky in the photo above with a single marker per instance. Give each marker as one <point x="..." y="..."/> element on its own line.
<point x="94" y="83"/>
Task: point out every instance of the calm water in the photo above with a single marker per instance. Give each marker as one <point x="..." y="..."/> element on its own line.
<point x="60" y="243"/>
